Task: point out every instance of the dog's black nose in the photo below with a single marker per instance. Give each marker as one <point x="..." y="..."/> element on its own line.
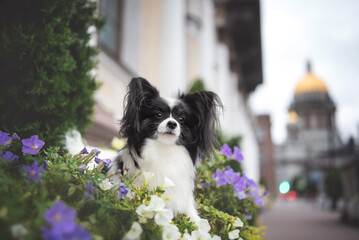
<point x="172" y="124"/>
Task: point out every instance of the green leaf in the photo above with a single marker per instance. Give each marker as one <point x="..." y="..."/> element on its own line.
<point x="71" y="191"/>
<point x="67" y="177"/>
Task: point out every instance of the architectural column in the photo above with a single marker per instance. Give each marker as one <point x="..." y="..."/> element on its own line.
<point x="172" y="59"/>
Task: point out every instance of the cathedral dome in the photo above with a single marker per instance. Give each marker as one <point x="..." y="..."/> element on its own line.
<point x="310" y="83"/>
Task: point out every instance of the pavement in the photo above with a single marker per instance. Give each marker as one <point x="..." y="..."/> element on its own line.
<point x="301" y="221"/>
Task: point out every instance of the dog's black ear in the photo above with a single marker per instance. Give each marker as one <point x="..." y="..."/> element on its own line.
<point x="206" y="106"/>
<point x="139" y="90"/>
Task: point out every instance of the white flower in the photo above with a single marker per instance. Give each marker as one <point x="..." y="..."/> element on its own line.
<point x="215" y="237"/>
<point x="237" y="222"/>
<point x="156" y="203"/>
<point x="91" y="166"/>
<point x="144" y="211"/>
<point x="142" y="220"/>
<point x="18" y="231"/>
<point x="203" y="226"/>
<point x="170" y="232"/>
<point x="233" y="234"/>
<point x="197" y="235"/>
<point x="134" y="233"/>
<point x="186" y="236"/>
<point x="168" y="183"/>
<point x="163" y="217"/>
<point x="147" y="176"/>
<point x="106" y="184"/>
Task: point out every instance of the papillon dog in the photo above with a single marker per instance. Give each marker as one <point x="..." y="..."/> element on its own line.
<point x="167" y="137"/>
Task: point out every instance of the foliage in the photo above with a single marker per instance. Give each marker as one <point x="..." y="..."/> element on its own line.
<point x="32" y="207"/>
<point x="299" y="185"/>
<point x="231" y="141"/>
<point x="197" y="86"/>
<point x="45" y="64"/>
<point x="238" y="196"/>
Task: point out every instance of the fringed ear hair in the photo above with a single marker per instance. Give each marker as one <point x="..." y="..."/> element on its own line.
<point x="139" y="90"/>
<point x="206" y="106"/>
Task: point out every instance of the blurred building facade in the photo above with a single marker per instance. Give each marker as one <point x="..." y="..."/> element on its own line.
<point x="172" y="43"/>
<point x="266" y="153"/>
<point x="312" y="135"/>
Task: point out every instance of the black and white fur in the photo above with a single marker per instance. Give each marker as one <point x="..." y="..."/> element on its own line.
<point x="167" y="137"/>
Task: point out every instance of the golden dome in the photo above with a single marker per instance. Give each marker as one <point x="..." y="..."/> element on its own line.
<point x="310" y="83"/>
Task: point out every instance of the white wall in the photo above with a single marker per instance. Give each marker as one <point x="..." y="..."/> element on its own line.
<point x="208" y="46"/>
<point x="172" y="48"/>
<point x="130" y="40"/>
<point x="237" y="119"/>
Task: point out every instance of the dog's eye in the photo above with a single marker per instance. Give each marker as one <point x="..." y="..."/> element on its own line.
<point x="181" y="120"/>
<point x="159" y="115"/>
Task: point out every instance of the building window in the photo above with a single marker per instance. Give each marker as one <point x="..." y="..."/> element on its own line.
<point x="109" y="37"/>
<point x="119" y="38"/>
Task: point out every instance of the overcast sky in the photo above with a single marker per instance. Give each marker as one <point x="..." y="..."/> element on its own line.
<point x="327" y="33"/>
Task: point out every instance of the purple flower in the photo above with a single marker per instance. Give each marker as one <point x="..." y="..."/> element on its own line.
<point x="84" y="151"/>
<point x="232" y="176"/>
<point x="47" y="234"/>
<point x="250" y="183"/>
<point x="32" y="145"/>
<point x="240" y="184"/>
<point x="95" y="152"/>
<point x="78" y="233"/>
<point x="33" y="171"/>
<point x="15" y="137"/>
<point x="257" y="199"/>
<point x="220" y="178"/>
<point x="89" y="187"/>
<point x="226" y="150"/>
<point x="4" y="138"/>
<point x="9" y="157"/>
<point x="240" y="194"/>
<point x="238" y="155"/>
<point x="205" y="185"/>
<point x="61" y="217"/>
<point x="82" y="168"/>
<point x="122" y="191"/>
<point x="89" y="191"/>
<point x="107" y="162"/>
<point x="98" y="160"/>
<point x="247" y="217"/>
<point x="45" y="164"/>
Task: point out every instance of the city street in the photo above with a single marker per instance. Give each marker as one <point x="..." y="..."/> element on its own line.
<point x="301" y="221"/>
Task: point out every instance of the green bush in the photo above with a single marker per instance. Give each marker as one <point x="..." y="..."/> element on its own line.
<point x="45" y="65"/>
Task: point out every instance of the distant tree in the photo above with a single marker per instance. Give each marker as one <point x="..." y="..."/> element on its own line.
<point x="45" y="64"/>
<point x="197" y="86"/>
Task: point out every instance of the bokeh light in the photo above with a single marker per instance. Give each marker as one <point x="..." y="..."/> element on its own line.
<point x="284" y="187"/>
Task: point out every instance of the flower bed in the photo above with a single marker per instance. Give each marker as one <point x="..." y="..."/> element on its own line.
<point x="46" y="193"/>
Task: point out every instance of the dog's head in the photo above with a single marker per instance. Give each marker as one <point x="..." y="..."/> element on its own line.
<point x="189" y="120"/>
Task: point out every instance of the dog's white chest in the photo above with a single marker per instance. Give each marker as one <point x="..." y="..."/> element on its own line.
<point x="170" y="161"/>
<point x="167" y="160"/>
